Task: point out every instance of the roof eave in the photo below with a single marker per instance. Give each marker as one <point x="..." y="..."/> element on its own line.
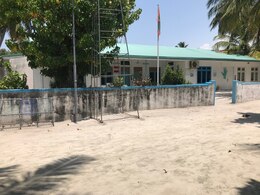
<point x="191" y="58"/>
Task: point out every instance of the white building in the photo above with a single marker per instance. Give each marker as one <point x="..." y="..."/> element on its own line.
<point x="34" y="78"/>
<point x="198" y="65"/>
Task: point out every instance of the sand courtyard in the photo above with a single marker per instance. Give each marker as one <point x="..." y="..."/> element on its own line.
<point x="199" y="150"/>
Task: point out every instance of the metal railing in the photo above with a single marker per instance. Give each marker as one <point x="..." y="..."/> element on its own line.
<point x="32" y="111"/>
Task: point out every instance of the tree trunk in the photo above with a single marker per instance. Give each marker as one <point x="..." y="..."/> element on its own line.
<point x="2" y="35"/>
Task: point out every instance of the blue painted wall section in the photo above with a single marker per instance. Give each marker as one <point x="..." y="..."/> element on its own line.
<point x="234" y="91"/>
<point x="55" y="90"/>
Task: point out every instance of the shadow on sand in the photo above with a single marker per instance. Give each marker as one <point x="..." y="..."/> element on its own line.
<point x="248" y="117"/>
<point x="43" y="179"/>
<point x="252" y="188"/>
<point x="6" y="175"/>
<point x="252" y="147"/>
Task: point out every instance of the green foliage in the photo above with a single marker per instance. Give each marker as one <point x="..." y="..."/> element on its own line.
<point x="182" y="45"/>
<point x="44" y="34"/>
<point x="238" y="24"/>
<point x="255" y="54"/>
<point x="173" y="77"/>
<point x="118" y="82"/>
<point x="168" y="76"/>
<point x="13" y="80"/>
<point x="3" y="52"/>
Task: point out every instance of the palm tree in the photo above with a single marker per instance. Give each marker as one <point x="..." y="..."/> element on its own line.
<point x="237" y="18"/>
<point x="182" y="45"/>
<point x="231" y="44"/>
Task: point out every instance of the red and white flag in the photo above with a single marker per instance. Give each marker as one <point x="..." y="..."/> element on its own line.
<point x="158" y="22"/>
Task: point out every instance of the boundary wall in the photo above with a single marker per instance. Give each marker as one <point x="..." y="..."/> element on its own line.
<point x="245" y="91"/>
<point x="95" y="102"/>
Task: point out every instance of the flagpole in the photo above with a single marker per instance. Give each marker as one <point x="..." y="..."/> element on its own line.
<point x="74" y="65"/>
<point x="158" y="48"/>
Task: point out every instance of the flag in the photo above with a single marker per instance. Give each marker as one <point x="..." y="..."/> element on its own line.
<point x="158" y="23"/>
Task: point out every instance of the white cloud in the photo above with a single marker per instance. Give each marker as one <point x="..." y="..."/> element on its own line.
<point x="206" y="46"/>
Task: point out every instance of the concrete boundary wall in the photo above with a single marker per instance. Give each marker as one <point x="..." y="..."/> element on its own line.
<point x="245" y="91"/>
<point x="91" y="101"/>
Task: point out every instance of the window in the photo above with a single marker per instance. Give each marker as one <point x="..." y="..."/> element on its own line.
<point x="241" y="74"/>
<point x="254" y="74"/>
<point x="138" y="73"/>
<point x="125" y="73"/>
<point x="123" y="63"/>
<point x="153" y="74"/>
<point x="204" y="74"/>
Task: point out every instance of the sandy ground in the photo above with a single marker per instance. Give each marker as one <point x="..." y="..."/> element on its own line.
<point x="202" y="150"/>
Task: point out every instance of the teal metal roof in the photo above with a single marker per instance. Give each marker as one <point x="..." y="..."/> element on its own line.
<point x="11" y="55"/>
<point x="150" y="52"/>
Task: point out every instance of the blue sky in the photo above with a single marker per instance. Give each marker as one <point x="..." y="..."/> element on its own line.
<point x="181" y="20"/>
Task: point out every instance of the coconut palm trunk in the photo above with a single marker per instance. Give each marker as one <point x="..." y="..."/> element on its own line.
<point x="2" y="35"/>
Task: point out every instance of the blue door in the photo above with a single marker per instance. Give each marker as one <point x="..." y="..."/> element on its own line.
<point x="204" y="74"/>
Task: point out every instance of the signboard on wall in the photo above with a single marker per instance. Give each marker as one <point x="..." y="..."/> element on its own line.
<point x="115" y="69"/>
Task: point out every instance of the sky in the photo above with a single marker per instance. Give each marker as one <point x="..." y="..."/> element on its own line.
<point x="181" y="20"/>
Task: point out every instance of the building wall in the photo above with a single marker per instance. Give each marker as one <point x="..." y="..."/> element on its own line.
<point x="223" y="72"/>
<point x="20" y="64"/>
<point x="245" y="91"/>
<point x="40" y="81"/>
<point x="34" y="78"/>
<point x="218" y="70"/>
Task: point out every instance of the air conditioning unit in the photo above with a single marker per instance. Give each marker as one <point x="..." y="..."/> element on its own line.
<point x="194" y="64"/>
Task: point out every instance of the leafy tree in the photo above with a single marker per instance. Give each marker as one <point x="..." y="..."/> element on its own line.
<point x="182" y="45"/>
<point x="168" y="76"/>
<point x="178" y="76"/>
<point x="240" y="21"/>
<point x="173" y="77"/>
<point x="10" y="20"/>
<point x="13" y="79"/>
<point x="44" y="29"/>
<point x="3" y="52"/>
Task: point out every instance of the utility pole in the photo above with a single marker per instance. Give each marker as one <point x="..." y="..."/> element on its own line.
<point x="74" y="65"/>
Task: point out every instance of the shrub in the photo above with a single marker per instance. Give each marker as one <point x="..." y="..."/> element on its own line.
<point x="118" y="82"/>
<point x="13" y="79"/>
<point x="168" y="76"/>
<point x="142" y="82"/>
<point x="173" y="77"/>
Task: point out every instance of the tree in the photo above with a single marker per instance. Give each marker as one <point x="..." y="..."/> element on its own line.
<point x="182" y="45"/>
<point x="238" y="20"/>
<point x="3" y="52"/>
<point x="231" y="44"/>
<point x="13" y="79"/>
<point x="45" y="34"/>
<point x="173" y="76"/>
<point x="168" y="76"/>
<point x="10" y="20"/>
